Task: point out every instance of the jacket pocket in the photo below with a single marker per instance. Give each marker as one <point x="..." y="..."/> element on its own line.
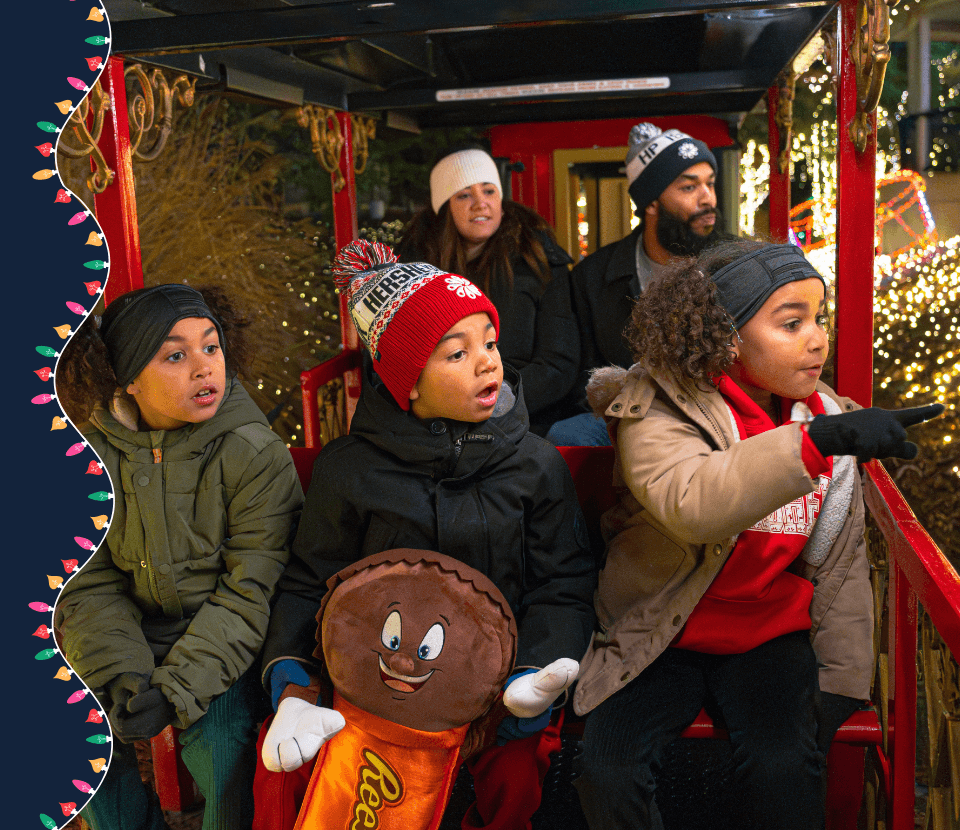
<point x="642" y="562"/>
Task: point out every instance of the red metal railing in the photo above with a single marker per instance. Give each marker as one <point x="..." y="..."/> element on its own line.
<point x="345" y="366"/>
<point x="918" y="573"/>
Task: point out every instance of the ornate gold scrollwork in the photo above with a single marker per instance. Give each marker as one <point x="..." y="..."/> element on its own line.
<point x="156" y="97"/>
<point x="81" y="137"/>
<point x="363" y="129"/>
<point x="326" y="139"/>
<point x="870" y="51"/>
<point x="786" y="87"/>
<point x="150" y="109"/>
<point x="941" y="677"/>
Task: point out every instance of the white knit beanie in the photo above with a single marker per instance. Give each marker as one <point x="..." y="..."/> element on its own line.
<point x="459" y="170"/>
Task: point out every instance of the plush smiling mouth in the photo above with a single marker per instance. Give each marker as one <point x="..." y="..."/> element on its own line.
<point x="401" y="682"/>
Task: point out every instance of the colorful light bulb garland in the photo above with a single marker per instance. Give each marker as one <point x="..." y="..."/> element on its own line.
<point x="93" y="288"/>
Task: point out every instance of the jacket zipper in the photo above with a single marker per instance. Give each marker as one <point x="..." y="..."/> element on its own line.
<point x="151" y="573"/>
<point x="709" y="418"/>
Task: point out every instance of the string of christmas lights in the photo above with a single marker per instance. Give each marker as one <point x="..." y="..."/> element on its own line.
<point x="47" y="375"/>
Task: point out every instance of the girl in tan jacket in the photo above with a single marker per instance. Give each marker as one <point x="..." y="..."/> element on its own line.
<point x="735" y="571"/>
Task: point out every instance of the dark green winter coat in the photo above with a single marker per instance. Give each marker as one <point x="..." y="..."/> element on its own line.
<point x="180" y="588"/>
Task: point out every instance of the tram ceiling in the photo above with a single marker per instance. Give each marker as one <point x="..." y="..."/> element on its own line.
<point x="501" y="61"/>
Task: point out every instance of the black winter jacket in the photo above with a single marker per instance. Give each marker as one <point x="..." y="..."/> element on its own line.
<point x="492" y="495"/>
<point x="604" y="287"/>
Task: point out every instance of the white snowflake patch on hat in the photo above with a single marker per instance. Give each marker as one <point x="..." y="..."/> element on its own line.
<point x="688" y="150"/>
<point x="463" y="287"/>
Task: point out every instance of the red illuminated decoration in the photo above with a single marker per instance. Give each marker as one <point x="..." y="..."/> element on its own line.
<point x="44" y="373"/>
<point x="62" y="196"/>
<point x="94" y="717"/>
<point x="45" y="149"/>
<point x="94" y="63"/>
<point x="94" y="468"/>
<point x="70" y="565"/>
<point x="813" y="223"/>
<point x="43" y="632"/>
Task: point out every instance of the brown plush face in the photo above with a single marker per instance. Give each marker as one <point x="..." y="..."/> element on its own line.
<point x="415" y="645"/>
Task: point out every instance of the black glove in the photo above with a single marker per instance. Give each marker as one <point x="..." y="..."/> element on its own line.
<point x="870" y="433"/>
<point x="145" y="715"/>
<point x="125" y="686"/>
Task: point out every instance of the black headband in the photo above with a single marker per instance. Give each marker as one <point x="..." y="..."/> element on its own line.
<point x="135" y="325"/>
<point x="744" y="285"/>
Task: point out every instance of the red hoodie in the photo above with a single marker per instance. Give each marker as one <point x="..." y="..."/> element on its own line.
<point x="755" y="598"/>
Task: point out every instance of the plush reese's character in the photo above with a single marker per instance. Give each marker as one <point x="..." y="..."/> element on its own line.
<point x="417" y="646"/>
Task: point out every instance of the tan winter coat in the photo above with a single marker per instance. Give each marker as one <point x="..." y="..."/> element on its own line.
<point x="691" y="487"/>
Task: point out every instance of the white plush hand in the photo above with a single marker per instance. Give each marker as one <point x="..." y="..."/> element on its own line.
<point x="298" y="731"/>
<point x="532" y="694"/>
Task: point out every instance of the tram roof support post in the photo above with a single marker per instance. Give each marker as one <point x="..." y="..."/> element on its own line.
<point x="345" y="230"/>
<point x="779" y="201"/>
<point x="856" y="220"/>
<point x="116" y="207"/>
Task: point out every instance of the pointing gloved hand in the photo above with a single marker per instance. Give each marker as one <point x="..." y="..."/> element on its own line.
<point x="870" y="433"/>
<point x="298" y="731"/>
<point x="145" y="715"/>
<point x="529" y="695"/>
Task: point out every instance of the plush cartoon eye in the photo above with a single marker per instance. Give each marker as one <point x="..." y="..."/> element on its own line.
<point x="390" y="636"/>
<point x="432" y="644"/>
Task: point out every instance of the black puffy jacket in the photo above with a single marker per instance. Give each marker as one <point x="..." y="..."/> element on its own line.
<point x="492" y="495"/>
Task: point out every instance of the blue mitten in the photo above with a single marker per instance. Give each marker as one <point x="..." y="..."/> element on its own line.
<point x="512" y="727"/>
<point x="282" y="673"/>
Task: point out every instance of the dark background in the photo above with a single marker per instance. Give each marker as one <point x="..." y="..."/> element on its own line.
<point x="45" y="497"/>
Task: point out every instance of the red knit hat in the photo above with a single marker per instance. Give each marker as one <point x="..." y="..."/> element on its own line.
<point x="402" y="310"/>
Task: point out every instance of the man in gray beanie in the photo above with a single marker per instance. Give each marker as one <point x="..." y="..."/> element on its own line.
<point x="671" y="181"/>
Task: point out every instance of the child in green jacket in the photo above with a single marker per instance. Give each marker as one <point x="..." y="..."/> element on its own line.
<point x="165" y="619"/>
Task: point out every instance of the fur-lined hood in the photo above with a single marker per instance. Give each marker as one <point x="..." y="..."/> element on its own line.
<point x="614" y="392"/>
<point x="603" y="387"/>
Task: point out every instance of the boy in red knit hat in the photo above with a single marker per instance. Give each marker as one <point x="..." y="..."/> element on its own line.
<point x="439" y="457"/>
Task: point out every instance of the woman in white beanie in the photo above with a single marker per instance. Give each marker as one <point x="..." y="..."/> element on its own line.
<point x="511" y="253"/>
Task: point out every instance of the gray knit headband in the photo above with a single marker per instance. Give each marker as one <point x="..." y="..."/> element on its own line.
<point x="135" y="325"/>
<point x="745" y="284"/>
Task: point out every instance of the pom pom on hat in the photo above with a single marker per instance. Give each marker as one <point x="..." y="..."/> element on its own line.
<point x="655" y="158"/>
<point x="401" y="310"/>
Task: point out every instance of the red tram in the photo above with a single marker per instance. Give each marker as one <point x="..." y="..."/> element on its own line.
<point x="558" y="84"/>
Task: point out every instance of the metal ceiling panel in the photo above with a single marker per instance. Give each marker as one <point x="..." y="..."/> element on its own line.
<point x="481" y="63"/>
